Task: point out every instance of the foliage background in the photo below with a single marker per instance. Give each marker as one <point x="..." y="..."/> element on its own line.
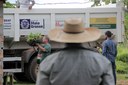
<point x="9" y="5"/>
<point x="122" y="57"/>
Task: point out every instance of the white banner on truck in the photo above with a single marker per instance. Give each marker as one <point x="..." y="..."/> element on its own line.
<point x="32" y="23"/>
<point x="7" y="23"/>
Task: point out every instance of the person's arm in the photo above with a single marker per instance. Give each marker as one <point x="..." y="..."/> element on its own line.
<point x="107" y="77"/>
<point x="115" y="51"/>
<point x="45" y="48"/>
<point x="44" y="73"/>
<point x="104" y="48"/>
<point x="45" y="68"/>
<point x="17" y="4"/>
<point x="41" y="48"/>
<point x="33" y="2"/>
<point x="42" y="78"/>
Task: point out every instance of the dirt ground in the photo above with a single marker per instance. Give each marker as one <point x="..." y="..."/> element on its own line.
<point x="122" y="82"/>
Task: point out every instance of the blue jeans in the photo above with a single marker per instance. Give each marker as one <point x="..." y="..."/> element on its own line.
<point x="114" y="70"/>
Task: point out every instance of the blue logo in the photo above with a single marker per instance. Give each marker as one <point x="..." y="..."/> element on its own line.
<point x="24" y="23"/>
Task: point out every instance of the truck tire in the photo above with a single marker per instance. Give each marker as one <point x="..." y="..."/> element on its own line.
<point x="32" y="70"/>
<point x="20" y="77"/>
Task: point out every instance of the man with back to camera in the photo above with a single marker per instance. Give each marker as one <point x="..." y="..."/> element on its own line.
<point x="109" y="50"/>
<point x="25" y="4"/>
<point x="75" y="64"/>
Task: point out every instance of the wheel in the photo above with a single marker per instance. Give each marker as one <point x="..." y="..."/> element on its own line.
<point x="32" y="69"/>
<point x="20" y="77"/>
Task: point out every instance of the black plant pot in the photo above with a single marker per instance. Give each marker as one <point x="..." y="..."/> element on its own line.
<point x="34" y="42"/>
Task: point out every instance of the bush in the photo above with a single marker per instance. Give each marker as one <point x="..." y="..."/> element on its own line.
<point x="121" y="67"/>
<point x="32" y="39"/>
<point x="122" y="59"/>
<point x="122" y="53"/>
<point x="33" y="36"/>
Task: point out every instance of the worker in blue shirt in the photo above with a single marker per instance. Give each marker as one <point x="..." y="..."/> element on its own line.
<point x="109" y="50"/>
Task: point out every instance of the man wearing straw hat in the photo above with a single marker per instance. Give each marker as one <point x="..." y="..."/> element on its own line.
<point x="75" y="64"/>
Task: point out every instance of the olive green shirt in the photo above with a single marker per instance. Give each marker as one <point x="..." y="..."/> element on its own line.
<point x="46" y="52"/>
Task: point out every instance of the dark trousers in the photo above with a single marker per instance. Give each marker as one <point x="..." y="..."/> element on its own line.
<point x="114" y="70"/>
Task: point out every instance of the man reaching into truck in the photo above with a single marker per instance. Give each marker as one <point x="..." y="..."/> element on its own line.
<point x="44" y="49"/>
<point x="25" y="4"/>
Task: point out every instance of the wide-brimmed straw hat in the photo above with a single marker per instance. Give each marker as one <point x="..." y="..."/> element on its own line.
<point x="74" y="32"/>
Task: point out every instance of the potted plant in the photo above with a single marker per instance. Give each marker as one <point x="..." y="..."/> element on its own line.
<point x="32" y="39"/>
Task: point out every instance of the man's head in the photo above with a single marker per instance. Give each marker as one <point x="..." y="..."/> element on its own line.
<point x="74" y="32"/>
<point x="108" y="34"/>
<point x="45" y="39"/>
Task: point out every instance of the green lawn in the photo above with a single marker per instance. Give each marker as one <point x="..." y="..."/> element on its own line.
<point x="19" y="83"/>
<point x="122" y="76"/>
<point x="23" y="84"/>
<point x="119" y="77"/>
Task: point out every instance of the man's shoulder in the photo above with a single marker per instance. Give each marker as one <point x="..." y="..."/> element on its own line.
<point x="114" y="41"/>
<point x="52" y="55"/>
<point x="97" y="56"/>
<point x="50" y="58"/>
<point x="105" y="41"/>
<point x="47" y="45"/>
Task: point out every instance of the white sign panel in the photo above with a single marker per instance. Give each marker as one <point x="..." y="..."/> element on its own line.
<point x="7" y="23"/>
<point x="32" y="23"/>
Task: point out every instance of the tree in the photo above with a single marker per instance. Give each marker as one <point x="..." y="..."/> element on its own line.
<point x="96" y="3"/>
<point x="107" y="1"/>
<point x="125" y="3"/>
<point x="9" y="5"/>
<point x="125" y="8"/>
<point x="113" y="1"/>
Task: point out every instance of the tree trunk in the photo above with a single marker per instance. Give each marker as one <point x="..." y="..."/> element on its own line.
<point x="127" y="5"/>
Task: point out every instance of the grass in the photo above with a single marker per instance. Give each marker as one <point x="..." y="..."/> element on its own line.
<point x="122" y="76"/>
<point x="23" y="84"/>
<point x="119" y="77"/>
<point x="19" y="83"/>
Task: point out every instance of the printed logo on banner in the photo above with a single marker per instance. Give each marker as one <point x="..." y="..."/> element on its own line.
<point x="24" y="23"/>
<point x="60" y="23"/>
<point x="32" y="23"/>
<point x="37" y="23"/>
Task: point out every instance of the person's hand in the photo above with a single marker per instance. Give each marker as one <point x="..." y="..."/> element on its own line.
<point x="30" y="7"/>
<point x="37" y="44"/>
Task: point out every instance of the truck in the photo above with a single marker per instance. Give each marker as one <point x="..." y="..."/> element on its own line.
<point x="20" y="58"/>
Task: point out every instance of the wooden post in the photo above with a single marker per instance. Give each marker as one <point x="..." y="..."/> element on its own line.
<point x="11" y="79"/>
<point x="1" y="42"/>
